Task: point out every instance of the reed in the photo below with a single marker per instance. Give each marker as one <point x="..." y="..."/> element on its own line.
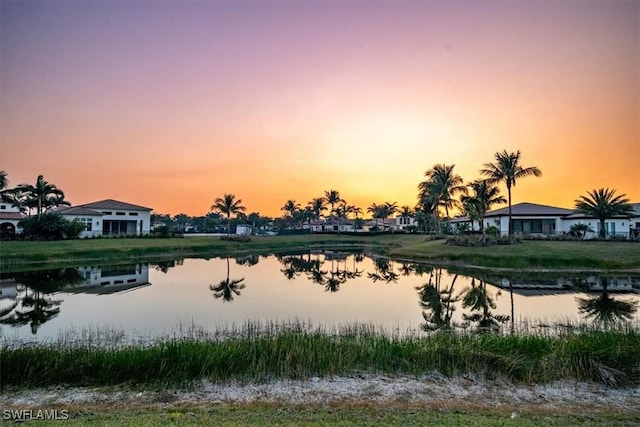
<point x="298" y="351"/>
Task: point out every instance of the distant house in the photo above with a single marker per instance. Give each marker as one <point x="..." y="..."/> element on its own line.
<point x="330" y="225"/>
<point x="9" y="217"/>
<point x="243" y="229"/>
<point x="110" y="217"/>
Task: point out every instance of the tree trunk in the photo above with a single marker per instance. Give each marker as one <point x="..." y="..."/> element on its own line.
<point x="510" y="219"/>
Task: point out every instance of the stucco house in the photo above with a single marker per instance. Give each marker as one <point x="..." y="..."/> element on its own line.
<point x="9" y="217"/>
<point x="533" y="218"/>
<point x="110" y="217"/>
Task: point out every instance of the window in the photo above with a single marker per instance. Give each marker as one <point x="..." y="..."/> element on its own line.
<point x="3" y="206"/>
<point x="120" y="213"/>
<point x="106" y="212"/>
<point x="133" y="213"/>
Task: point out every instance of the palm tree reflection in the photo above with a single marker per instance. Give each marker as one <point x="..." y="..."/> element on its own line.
<point x="606" y="309"/>
<point x="437" y="302"/>
<point x="36" y="307"/>
<point x="227" y="288"/>
<point x="383" y="271"/>
<point x="480" y="303"/>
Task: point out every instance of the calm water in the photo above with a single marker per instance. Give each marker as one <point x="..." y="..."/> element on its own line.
<point x="331" y="289"/>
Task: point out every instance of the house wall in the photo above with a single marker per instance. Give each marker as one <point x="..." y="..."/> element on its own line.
<point x="617" y="227"/>
<point x="139" y="221"/>
<point x="93" y="225"/>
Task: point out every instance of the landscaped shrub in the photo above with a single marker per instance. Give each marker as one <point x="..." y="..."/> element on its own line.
<point x="50" y="226"/>
<point x="492" y="230"/>
<point x="242" y="238"/>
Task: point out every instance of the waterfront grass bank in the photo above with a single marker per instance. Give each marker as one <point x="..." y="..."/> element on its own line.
<point x="257" y="355"/>
<point x="557" y="255"/>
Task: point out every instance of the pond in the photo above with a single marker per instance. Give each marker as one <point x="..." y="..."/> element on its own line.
<point x="319" y="288"/>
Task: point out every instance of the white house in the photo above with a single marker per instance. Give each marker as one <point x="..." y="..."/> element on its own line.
<point x="110" y="217"/>
<point x="533" y="218"/>
<point x="9" y="217"/>
<point x="528" y="218"/>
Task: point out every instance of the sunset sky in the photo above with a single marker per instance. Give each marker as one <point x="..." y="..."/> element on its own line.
<point x="170" y="104"/>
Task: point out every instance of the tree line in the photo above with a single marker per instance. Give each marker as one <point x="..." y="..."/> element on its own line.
<point x="439" y="194"/>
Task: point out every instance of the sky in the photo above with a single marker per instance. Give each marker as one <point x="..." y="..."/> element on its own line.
<point x="171" y="104"/>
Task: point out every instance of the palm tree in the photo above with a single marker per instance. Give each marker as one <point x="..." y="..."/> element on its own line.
<point x="507" y="168"/>
<point x="317" y="206"/>
<point x="356" y="211"/>
<point x="374" y="209"/>
<point x="603" y="204"/>
<point x="291" y="208"/>
<point x="333" y="198"/>
<point x="4" y="181"/>
<point x="253" y="218"/>
<point x="4" y="184"/>
<point x="228" y="205"/>
<point x="484" y="196"/>
<point x="42" y="195"/>
<point x="443" y="185"/>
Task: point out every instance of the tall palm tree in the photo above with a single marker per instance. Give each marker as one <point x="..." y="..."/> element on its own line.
<point x="4" y="184"/>
<point x="4" y="181"/>
<point x="228" y="205"/>
<point x="507" y="168"/>
<point x="333" y="198"/>
<point x="443" y="184"/>
<point x="317" y="206"/>
<point x="42" y="195"/>
<point x="603" y="204"/>
<point x="291" y="208"/>
<point x="484" y="196"/>
<point x="374" y="209"/>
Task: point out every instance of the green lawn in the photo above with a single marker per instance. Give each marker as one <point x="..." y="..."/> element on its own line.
<point x="529" y="254"/>
<point x="340" y="415"/>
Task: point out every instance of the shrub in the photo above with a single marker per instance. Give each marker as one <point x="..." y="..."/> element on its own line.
<point x="242" y="238"/>
<point x="48" y="226"/>
<point x="73" y="229"/>
<point x="492" y="230"/>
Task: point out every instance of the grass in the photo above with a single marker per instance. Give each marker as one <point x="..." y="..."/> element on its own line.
<point x="534" y="254"/>
<point x="262" y="354"/>
<point x="338" y="415"/>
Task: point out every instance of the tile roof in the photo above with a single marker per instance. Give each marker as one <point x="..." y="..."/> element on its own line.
<point x="114" y="205"/>
<point x="78" y="210"/>
<point x="11" y="215"/>
<point x="530" y="209"/>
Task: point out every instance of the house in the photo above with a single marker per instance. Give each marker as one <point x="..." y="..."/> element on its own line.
<point x="9" y="217"/>
<point x="110" y="217"/>
<point x="528" y="218"/>
<point x="330" y="225"/>
<point x="533" y="218"/>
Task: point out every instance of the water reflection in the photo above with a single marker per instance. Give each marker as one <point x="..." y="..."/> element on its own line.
<point x="311" y="264"/>
<point x="437" y="301"/>
<point x="604" y="308"/>
<point x="480" y="302"/>
<point x="227" y="288"/>
<point x="34" y="304"/>
<point x="447" y="299"/>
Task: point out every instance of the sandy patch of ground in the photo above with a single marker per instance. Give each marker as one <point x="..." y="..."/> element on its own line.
<point x="431" y="390"/>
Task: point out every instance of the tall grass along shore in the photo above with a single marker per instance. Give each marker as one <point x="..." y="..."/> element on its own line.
<point x="259" y="354"/>
<point x="557" y="255"/>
